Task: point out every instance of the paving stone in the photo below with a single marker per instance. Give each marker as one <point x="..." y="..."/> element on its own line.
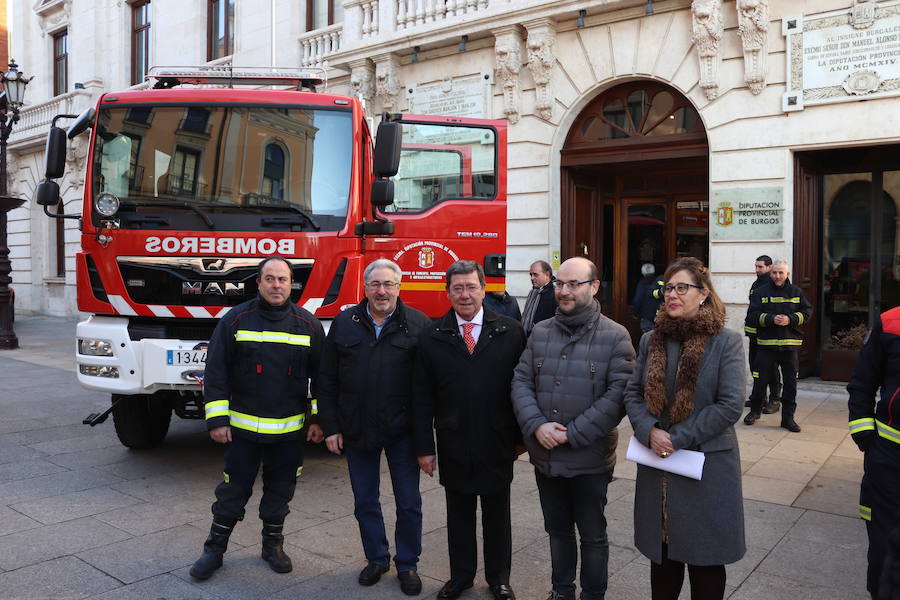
<point x="845" y="469"/>
<point x="767" y="489"/>
<point x="75" y="444"/>
<point x="815" y="546"/>
<point x="787" y="470"/>
<point x="12" y="521"/>
<point x="32" y="467"/>
<point x="773" y="587"/>
<point x="766" y="524"/>
<point x="51" y="541"/>
<point x="148" y="555"/>
<point x="9" y="454"/>
<point x="65" y="507"/>
<point x="245" y="576"/>
<point x="802" y="450"/>
<point x="833" y="496"/>
<point x="336" y="540"/>
<point x="149" y="517"/>
<point x="65" y="578"/>
<point x="162" y="587"/>
<point x="341" y="583"/>
<point x="53" y="485"/>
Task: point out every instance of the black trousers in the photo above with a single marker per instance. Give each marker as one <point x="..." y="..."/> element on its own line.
<point x="281" y="462"/>
<point x="775" y="381"/>
<point x="879" y="504"/>
<point x="496" y="530"/>
<point x="767" y="364"/>
<point x="707" y="582"/>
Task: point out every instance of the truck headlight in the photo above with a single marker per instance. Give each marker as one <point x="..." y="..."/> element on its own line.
<point x="106" y="204"/>
<point x="96" y="371"/>
<point x="92" y="347"/>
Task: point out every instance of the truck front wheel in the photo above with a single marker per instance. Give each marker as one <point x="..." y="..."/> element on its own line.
<point x="141" y="421"/>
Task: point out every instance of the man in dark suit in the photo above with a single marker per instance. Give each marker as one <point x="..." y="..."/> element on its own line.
<point x="541" y="302"/>
<point x="461" y="388"/>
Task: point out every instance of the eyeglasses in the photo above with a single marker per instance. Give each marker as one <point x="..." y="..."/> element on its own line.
<point x="456" y="290"/>
<point x="388" y="286"/>
<point x="570" y="285"/>
<point x="680" y="288"/>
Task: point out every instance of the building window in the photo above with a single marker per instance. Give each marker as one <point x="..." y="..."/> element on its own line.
<point x="322" y="13"/>
<point x="183" y="174"/>
<point x="196" y="120"/>
<point x="221" y="28"/>
<point x="140" y="40"/>
<point x="273" y="172"/>
<point x="60" y="62"/>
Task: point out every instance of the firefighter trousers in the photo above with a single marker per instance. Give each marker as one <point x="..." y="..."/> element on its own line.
<point x="775" y="382"/>
<point x="767" y="364"/>
<point x="879" y="503"/>
<point x="281" y="463"/>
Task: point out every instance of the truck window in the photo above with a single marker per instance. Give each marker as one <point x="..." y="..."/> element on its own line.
<point x="246" y="168"/>
<point x="440" y="163"/>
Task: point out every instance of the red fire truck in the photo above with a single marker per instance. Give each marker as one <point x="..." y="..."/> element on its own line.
<point x="189" y="184"/>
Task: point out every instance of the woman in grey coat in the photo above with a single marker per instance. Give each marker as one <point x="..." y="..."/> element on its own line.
<point x="687" y="392"/>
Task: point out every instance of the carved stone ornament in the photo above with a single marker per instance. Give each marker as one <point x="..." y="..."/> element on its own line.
<point x="508" y="58"/>
<point x="362" y="80"/>
<point x="862" y="82"/>
<point x="387" y="82"/>
<point x="753" y="27"/>
<point x="53" y="15"/>
<point x="706" y="33"/>
<point x="76" y="156"/>
<point x="541" y="60"/>
<point x="862" y="14"/>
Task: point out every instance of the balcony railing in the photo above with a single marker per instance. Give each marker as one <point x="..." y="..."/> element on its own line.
<point x="410" y="13"/>
<point x="317" y="45"/>
<point x="34" y="121"/>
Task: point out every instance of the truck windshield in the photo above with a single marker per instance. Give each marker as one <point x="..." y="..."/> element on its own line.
<point x="227" y="168"/>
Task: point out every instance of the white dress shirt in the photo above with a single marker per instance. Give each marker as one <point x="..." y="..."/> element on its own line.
<point x="477" y="320"/>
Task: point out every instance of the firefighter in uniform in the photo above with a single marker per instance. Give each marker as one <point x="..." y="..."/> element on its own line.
<point x="762" y="267"/>
<point x="875" y="427"/>
<point x="778" y="309"/>
<point x="261" y="358"/>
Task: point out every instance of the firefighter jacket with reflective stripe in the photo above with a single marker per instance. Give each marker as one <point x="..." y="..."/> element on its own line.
<point x="770" y="301"/>
<point x="876" y="424"/>
<point x="751" y="328"/>
<point x="259" y="365"/>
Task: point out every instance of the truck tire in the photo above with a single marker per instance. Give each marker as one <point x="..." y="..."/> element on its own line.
<point x="142" y="421"/>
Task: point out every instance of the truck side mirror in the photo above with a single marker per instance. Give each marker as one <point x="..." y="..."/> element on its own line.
<point x="47" y="193"/>
<point x="55" y="153"/>
<point x="84" y="120"/>
<point x="388" y="143"/>
<point x="382" y="193"/>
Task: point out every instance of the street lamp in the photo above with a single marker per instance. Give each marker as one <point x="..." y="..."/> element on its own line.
<point x="11" y="100"/>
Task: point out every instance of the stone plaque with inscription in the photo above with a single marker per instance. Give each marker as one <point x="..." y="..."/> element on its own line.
<point x="843" y="55"/>
<point x="467" y="96"/>
<point x="742" y="214"/>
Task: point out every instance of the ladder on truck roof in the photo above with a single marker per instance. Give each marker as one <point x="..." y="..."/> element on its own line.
<point x="228" y="76"/>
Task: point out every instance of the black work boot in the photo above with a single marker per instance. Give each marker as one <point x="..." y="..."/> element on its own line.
<point x="787" y="420"/>
<point x="273" y="548"/>
<point x="772" y="406"/>
<point x="213" y="548"/>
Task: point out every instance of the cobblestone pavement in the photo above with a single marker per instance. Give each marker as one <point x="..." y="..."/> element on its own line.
<point x="83" y="517"/>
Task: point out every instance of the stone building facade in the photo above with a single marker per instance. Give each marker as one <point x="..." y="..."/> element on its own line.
<point x="639" y="130"/>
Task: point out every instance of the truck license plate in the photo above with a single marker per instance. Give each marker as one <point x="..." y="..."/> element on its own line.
<point x="186" y="358"/>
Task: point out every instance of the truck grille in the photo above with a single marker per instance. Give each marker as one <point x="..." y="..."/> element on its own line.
<point x="182" y="281"/>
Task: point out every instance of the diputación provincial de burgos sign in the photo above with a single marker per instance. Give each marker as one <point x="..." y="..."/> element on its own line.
<point x="843" y="55"/>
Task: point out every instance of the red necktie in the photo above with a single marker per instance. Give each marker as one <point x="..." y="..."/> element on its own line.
<point x="468" y="338"/>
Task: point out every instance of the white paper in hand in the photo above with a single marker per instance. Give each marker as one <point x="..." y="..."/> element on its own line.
<point x="688" y="463"/>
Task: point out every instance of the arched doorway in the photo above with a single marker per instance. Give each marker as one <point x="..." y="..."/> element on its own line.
<point x="634" y="187"/>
